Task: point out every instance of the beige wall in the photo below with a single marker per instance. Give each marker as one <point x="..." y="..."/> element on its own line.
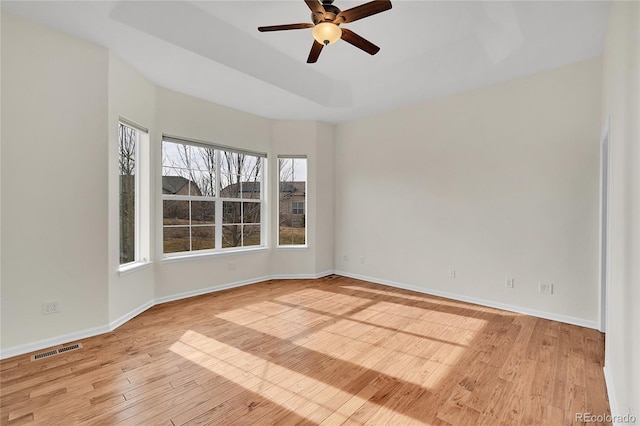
<point x="132" y="97"/>
<point x="494" y="183"/>
<point x="61" y="101"/>
<point x="192" y="118"/>
<point x="621" y="102"/>
<point x="314" y="140"/>
<point x="54" y="183"/>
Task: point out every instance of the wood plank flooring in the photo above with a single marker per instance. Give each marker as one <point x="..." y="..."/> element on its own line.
<point x="327" y="351"/>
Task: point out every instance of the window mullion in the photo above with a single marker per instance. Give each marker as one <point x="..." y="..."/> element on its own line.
<point x="218" y="207"/>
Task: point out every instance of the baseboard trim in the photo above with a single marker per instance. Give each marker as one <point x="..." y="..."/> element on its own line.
<point x="489" y="303"/>
<point x="130" y="315"/>
<point x="208" y="290"/>
<point x="301" y="276"/>
<point x="53" y="341"/>
<point x="95" y="331"/>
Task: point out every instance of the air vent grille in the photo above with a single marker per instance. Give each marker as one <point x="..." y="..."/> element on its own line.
<point x="55" y="352"/>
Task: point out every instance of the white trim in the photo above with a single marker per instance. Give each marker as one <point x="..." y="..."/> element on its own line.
<point x="130" y="315"/>
<point x="95" y="331"/>
<point x="218" y="252"/>
<point x="611" y="392"/>
<point x="207" y="290"/>
<point x="133" y="267"/>
<point x="206" y="144"/>
<point x="133" y="125"/>
<point x="301" y="276"/>
<point x="53" y="341"/>
<point x="489" y="303"/>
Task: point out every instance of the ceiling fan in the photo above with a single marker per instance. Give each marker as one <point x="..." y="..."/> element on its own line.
<point x="326" y="18"/>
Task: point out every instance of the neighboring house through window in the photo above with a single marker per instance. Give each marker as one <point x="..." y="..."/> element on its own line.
<point x="130" y="161"/>
<point x="292" y="226"/>
<point x="297" y="207"/>
<point x="212" y="197"/>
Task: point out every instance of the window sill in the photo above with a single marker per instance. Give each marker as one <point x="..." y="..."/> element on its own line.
<point x="293" y="247"/>
<point x="133" y="267"/>
<point x="193" y="256"/>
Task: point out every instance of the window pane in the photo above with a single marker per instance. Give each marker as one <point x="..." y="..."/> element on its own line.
<point x="231" y="236"/>
<point x="203" y="158"/>
<point x="202" y="212"/>
<point x="250" y="166"/>
<point x="250" y="188"/>
<point x="230" y="162"/>
<point x="292" y="199"/>
<point x="190" y="173"/>
<point x="202" y="237"/>
<point x="250" y="212"/>
<point x="291" y="236"/>
<point x="176" y="239"/>
<point x="251" y="235"/>
<point x="202" y="183"/>
<point x="231" y="212"/>
<point x="127" y="169"/>
<point x="175" y="181"/>
<point x="175" y="212"/>
<point x="176" y="155"/>
<point x="230" y="186"/>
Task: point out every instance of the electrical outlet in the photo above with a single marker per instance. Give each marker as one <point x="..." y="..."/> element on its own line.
<point x="452" y="273"/>
<point x="362" y="260"/>
<point x="231" y="266"/>
<point x="345" y="258"/>
<point x="509" y="282"/>
<point x="545" y="288"/>
<point x="52" y="307"/>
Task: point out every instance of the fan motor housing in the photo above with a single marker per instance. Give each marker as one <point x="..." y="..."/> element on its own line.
<point x="330" y="13"/>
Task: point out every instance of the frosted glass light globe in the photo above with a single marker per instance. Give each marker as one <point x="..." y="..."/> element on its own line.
<point x="326" y="33"/>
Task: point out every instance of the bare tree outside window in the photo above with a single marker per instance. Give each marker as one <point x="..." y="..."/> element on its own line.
<point x="292" y="201"/>
<point x="197" y="177"/>
<point x="128" y="139"/>
<point x="241" y="177"/>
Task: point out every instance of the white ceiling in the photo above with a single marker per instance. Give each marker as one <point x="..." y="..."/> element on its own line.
<point x="212" y="49"/>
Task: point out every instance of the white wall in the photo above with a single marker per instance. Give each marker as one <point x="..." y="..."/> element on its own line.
<point x="621" y="101"/>
<point x="54" y="183"/>
<point x="324" y="181"/>
<point x="61" y="100"/>
<point x="189" y="117"/>
<point x="497" y="182"/>
<point x="132" y="97"/>
<point x="315" y="140"/>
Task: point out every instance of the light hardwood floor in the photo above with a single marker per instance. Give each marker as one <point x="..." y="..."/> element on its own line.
<point x="326" y="351"/>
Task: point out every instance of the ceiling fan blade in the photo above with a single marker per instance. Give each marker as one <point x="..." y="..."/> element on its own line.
<point x="315" y="6"/>
<point x="285" y="27"/>
<point x="315" y="52"/>
<point x="362" y="11"/>
<point x="359" y="42"/>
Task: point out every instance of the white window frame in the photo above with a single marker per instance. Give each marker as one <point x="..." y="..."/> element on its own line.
<point x="141" y="200"/>
<point x="219" y="201"/>
<point x="306" y="216"/>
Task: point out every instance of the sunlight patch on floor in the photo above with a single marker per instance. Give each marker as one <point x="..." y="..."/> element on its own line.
<point x="276" y="383"/>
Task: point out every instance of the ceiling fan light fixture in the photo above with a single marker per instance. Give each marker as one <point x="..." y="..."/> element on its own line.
<point x="326" y="33"/>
